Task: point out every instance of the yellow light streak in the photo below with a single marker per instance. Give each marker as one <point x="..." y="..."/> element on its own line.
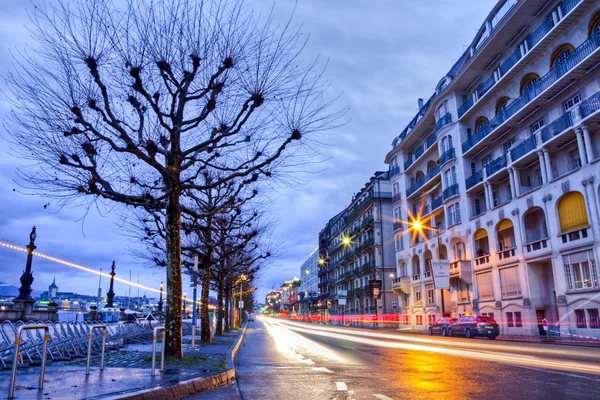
<point x="81" y="267"/>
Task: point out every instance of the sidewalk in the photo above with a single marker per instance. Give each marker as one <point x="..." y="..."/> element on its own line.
<point x="127" y="373"/>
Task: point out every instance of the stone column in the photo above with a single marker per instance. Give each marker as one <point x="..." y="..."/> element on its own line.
<point x="543" y="166"/>
<point x="488" y="195"/>
<point x="548" y="165"/>
<point x="511" y="179"/>
<point x="517" y="181"/>
<point x="581" y="146"/>
<point x="590" y="199"/>
<point x="589" y="150"/>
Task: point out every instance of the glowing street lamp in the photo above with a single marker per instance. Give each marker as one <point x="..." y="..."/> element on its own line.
<point x="346" y="240"/>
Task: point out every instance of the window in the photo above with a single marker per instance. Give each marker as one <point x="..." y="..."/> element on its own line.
<point x="451" y="215"/>
<point x="481" y="123"/>
<point x="399" y="243"/>
<point x="419" y="320"/>
<point x="478" y="206"/>
<point x="509" y="281"/>
<point x="572" y="102"/>
<point x="518" y="320"/>
<point x="501" y="105"/>
<point x="431" y="319"/>
<point x="575" y="159"/>
<point x="580" y="319"/>
<point x="537" y="126"/>
<point x="528" y="83"/>
<point x="509" y="319"/>
<point x="462" y="291"/>
<point x="485" y="290"/>
<point x="417" y="293"/>
<point x="572" y="212"/>
<point x="486" y="160"/>
<point x="430" y="294"/>
<point x="489" y="314"/>
<point x="580" y="270"/>
<point x="442" y="110"/>
<point x="594" y="28"/>
<point x="496" y="198"/>
<point x="508" y="145"/>
<point x="594" y="318"/>
<point x="561" y="55"/>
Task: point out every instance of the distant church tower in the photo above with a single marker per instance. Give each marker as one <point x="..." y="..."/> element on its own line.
<point x="52" y="289"/>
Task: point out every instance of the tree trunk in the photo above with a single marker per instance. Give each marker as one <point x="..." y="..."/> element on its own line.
<point x="220" y="308"/>
<point x="227" y="325"/>
<point x="205" y="319"/>
<point x="174" y="279"/>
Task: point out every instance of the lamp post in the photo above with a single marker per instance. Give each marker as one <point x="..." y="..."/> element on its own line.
<point x="110" y="295"/>
<point x="27" y="277"/>
<point x="160" y="300"/>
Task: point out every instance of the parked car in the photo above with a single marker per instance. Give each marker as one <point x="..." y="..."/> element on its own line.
<point x="251" y="318"/>
<point x="441" y="326"/>
<point x="471" y="326"/>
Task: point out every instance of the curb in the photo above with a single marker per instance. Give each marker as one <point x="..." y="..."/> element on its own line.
<point x="191" y="386"/>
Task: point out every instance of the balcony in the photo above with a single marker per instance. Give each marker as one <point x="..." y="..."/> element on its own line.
<point x="495" y="166"/>
<point x="419" y="152"/>
<point x="536" y="246"/>
<point x="510" y="61"/>
<point x="523" y="148"/>
<point x="427" y="275"/>
<point x="474" y="179"/>
<point x="398" y="226"/>
<point x="423" y="180"/>
<point x="401" y="285"/>
<point x="396" y="198"/>
<point x="506" y="253"/>
<point x="557" y="126"/>
<point x="394" y="170"/>
<point x="437" y="203"/>
<point x="408" y="163"/>
<point x="580" y="54"/>
<point x="462" y="269"/>
<point x="590" y="105"/>
<point x="431" y="140"/>
<point x="360" y="206"/>
<point x="482" y="261"/>
<point x="466" y="106"/>
<point x="574" y="235"/>
<point x="447" y="156"/>
<point x="485" y="86"/>
<point x="442" y="122"/>
<point x="366" y="221"/>
<point x="450" y="191"/>
<point x="541" y="31"/>
<point x="416" y="277"/>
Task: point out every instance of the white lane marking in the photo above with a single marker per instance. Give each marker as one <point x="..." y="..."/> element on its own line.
<point x="341" y="386"/>
<point x="322" y="369"/>
<point x="382" y="397"/>
<point x="557" y="372"/>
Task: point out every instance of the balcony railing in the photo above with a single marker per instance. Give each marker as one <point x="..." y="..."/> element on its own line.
<point x="397" y="226"/>
<point x="541" y="31"/>
<point x="442" y="122"/>
<point x="431" y="140"/>
<point x="510" y="61"/>
<point x="482" y="260"/>
<point x="396" y="198"/>
<point x="485" y="86"/>
<point x="506" y="253"/>
<point x="394" y="170"/>
<point x="423" y="180"/>
<point x="584" y="50"/>
<point x="447" y="156"/>
<point x="462" y="110"/>
<point x="574" y="235"/>
<point x="523" y="148"/>
<point x="437" y="203"/>
<point x="590" y="105"/>
<point x="419" y="152"/>
<point x="474" y="179"/>
<point x="537" y="245"/>
<point x="427" y="275"/>
<point x="416" y="277"/>
<point x="450" y="191"/>
<point x="496" y="165"/>
<point x="557" y="126"/>
<point x="568" y="5"/>
<point x="408" y="163"/>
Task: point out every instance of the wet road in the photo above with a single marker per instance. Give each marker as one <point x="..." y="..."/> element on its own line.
<point x="289" y="360"/>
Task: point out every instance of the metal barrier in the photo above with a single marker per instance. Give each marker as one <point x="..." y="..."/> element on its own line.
<point x="162" y="351"/>
<point x="13" y="378"/>
<point x="89" y="353"/>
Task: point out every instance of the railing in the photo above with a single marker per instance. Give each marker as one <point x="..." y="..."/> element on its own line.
<point x="394" y="170"/>
<point x="417" y="185"/>
<point x="419" y="152"/>
<point x="539" y="32"/>
<point x="510" y="61"/>
<point x="427" y="275"/>
<point x="567" y="5"/>
<point x="462" y="110"/>
<point x="431" y="140"/>
<point x="89" y="353"/>
<point x="396" y="198"/>
<point x="537" y="245"/>
<point x="590" y="105"/>
<point x="366" y="221"/>
<point x="447" y="156"/>
<point x="398" y="226"/>
<point x="13" y="376"/>
<point x="482" y="260"/>
<point x="584" y="50"/>
<point x="523" y="148"/>
<point x="557" y="126"/>
<point x="460" y="62"/>
<point x="408" y="163"/>
<point x="496" y="165"/>
<point x="506" y="253"/>
<point x="437" y="203"/>
<point x="450" y="191"/>
<point x="442" y="122"/>
<point x="416" y="277"/>
<point x="162" y="350"/>
<point x="485" y="86"/>
<point x="474" y="179"/>
<point x="574" y="235"/>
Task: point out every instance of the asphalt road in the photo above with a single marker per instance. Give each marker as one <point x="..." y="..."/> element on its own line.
<point x="290" y="360"/>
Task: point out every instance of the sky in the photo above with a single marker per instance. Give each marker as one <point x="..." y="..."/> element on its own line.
<point x="383" y="55"/>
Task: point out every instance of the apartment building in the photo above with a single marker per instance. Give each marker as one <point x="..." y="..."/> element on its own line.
<point x="502" y="162"/>
<point x="356" y="248"/>
<point x="308" y="292"/>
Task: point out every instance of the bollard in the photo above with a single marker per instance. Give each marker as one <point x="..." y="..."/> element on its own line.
<point x="13" y="379"/>
<point x="162" y="351"/>
<point x="89" y="355"/>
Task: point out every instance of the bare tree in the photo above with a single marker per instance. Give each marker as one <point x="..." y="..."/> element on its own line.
<point x="146" y="102"/>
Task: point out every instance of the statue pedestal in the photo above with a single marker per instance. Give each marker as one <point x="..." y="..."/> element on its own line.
<point x="25" y="307"/>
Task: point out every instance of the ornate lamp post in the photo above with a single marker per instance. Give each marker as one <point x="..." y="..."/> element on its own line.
<point x="27" y="277"/>
<point x="160" y="300"/>
<point x="110" y="296"/>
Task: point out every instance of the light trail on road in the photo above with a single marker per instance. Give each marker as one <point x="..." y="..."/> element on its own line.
<point x="482" y="355"/>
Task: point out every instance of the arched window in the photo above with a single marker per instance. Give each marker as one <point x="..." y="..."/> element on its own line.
<point x="419" y="175"/>
<point x="480" y="123"/>
<point x="528" y="82"/>
<point x="534" y="221"/>
<point x="594" y="25"/>
<point x="506" y="235"/>
<point x="416" y="268"/>
<point x="482" y="247"/>
<point x="459" y="251"/>
<point x="572" y="212"/>
<point x="501" y="104"/>
<point x="561" y="54"/>
<point x="443" y="253"/>
<point x="430" y="165"/>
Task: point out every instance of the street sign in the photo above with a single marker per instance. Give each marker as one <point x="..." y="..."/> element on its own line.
<point x="342" y="294"/>
<point x="441" y="273"/>
<point x="375" y="286"/>
<point x="394" y="304"/>
<point x="545" y="324"/>
<point x="241" y="304"/>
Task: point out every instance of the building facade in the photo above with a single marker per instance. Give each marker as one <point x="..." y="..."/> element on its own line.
<point x="355" y="249"/>
<point x="502" y="162"/>
<point x="308" y="293"/>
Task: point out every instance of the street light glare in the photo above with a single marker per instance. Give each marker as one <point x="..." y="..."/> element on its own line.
<point x="416" y="224"/>
<point x="346" y="240"/>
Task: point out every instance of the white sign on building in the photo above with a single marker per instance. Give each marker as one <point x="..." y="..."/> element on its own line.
<point x="342" y="297"/>
<point x="441" y="273"/>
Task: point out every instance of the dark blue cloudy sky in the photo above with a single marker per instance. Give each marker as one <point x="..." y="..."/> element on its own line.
<point x="383" y="54"/>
